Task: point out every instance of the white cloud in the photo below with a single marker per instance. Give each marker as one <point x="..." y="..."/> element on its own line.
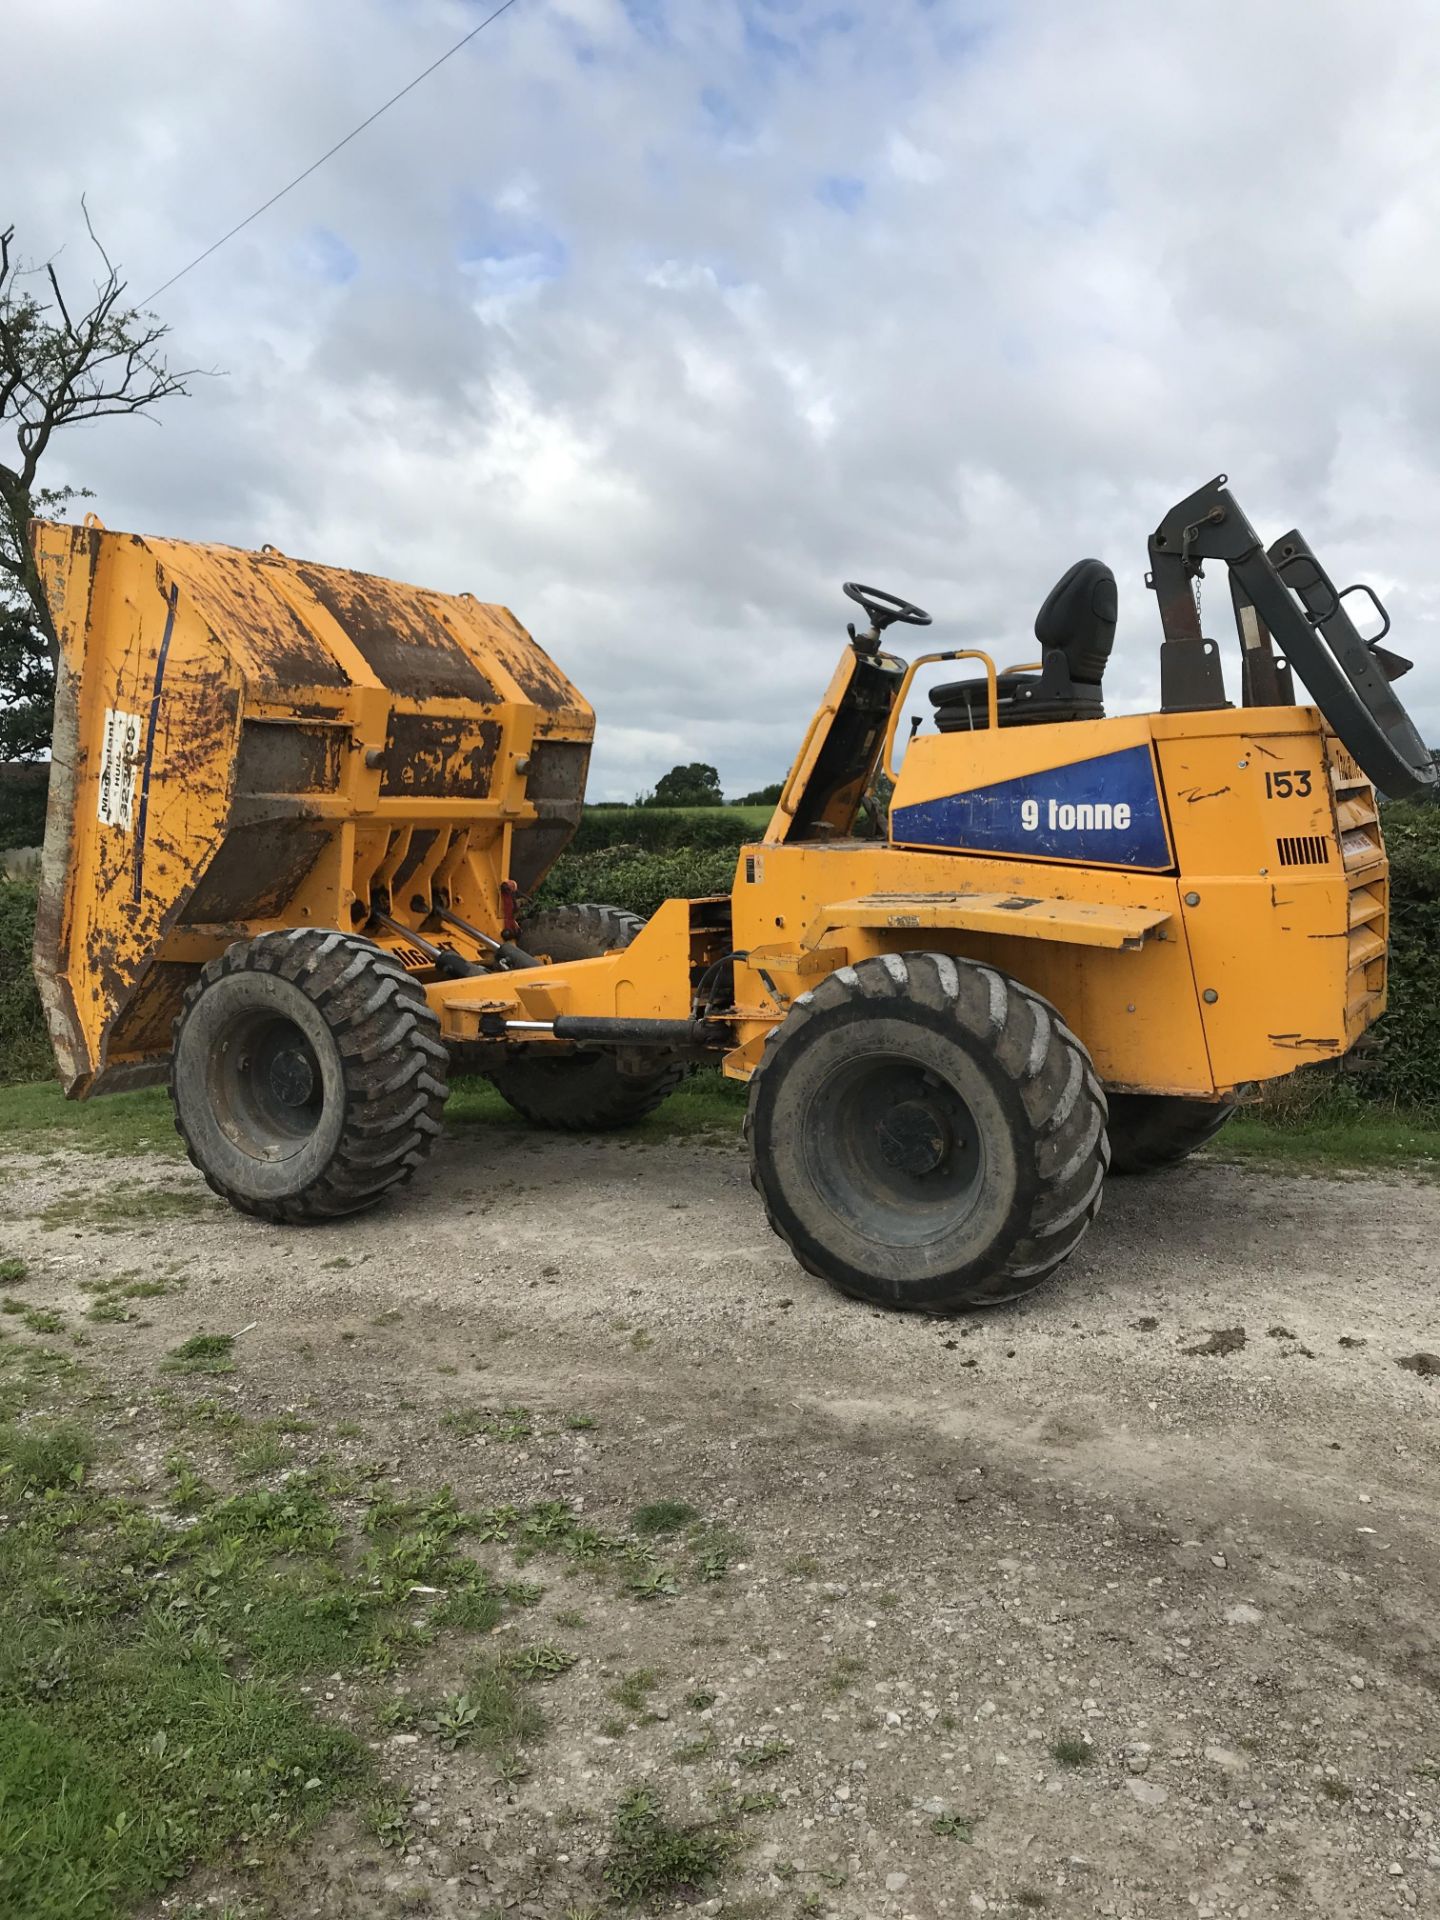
<point x="909" y="162"/>
<point x="574" y="325"/>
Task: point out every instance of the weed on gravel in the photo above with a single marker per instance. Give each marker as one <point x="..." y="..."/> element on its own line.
<point x="40" y="1319"/>
<point x="127" y="1206"/>
<point x="633" y="1689"/>
<point x="202" y="1353"/>
<point x="653" y="1858"/>
<point x="663" y="1516"/>
<point x="505" y="1423"/>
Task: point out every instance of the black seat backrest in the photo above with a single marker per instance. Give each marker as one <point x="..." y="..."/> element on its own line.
<point x="1078" y="619"/>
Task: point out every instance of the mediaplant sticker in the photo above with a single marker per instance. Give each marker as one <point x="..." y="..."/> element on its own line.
<point x="119" y="762"/>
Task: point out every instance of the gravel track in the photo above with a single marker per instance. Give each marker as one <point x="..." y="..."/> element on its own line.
<point x="1181" y="1506"/>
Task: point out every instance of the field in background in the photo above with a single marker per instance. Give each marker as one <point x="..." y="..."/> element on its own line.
<point x="664" y="829"/>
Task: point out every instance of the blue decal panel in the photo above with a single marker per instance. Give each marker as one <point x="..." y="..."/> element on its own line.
<point x="1105" y="811"/>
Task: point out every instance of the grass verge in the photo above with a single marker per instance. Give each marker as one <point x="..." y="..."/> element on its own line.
<point x="38" y="1117"/>
<point x="1324" y="1129"/>
<point x="705" y="1103"/>
<point x="166" y="1630"/>
<point x="1368" y="1143"/>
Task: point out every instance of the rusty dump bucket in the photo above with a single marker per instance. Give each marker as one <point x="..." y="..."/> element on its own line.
<point x="245" y="742"/>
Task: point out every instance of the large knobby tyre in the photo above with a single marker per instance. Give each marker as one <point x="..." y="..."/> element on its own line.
<point x="584" y="1092"/>
<point x="308" y="1075"/>
<point x="927" y="1133"/>
<point x="1152" y="1131"/>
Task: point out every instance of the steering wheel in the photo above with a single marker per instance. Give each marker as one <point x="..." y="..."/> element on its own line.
<point x="886" y="609"/>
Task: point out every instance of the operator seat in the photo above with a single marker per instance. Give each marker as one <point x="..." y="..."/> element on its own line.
<point x="1076" y="630"/>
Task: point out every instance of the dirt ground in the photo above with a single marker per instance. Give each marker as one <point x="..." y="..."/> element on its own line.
<point x="1203" y="1567"/>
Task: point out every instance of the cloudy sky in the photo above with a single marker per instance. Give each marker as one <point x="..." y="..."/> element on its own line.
<point x="656" y="319"/>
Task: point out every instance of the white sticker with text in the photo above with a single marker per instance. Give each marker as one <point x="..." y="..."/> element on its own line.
<point x="119" y="762"/>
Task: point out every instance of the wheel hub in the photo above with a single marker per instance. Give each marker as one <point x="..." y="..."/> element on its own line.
<point x="893" y="1147"/>
<point x="292" y="1077"/>
<point x="914" y="1138"/>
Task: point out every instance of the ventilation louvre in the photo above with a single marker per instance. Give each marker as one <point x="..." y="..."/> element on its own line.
<point x="1303" y="850"/>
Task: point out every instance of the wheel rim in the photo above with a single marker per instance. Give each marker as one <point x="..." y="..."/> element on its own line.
<point x="267" y="1089"/>
<point x="894" y="1149"/>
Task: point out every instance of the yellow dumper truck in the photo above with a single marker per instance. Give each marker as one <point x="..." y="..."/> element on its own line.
<point x="298" y="817"/>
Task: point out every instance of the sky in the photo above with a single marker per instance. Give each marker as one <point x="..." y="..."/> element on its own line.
<point x="655" y="320"/>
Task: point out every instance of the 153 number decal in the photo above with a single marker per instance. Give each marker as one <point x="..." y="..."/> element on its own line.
<point x="1292" y="782"/>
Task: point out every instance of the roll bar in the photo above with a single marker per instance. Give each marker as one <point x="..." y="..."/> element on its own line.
<point x="1286" y="597"/>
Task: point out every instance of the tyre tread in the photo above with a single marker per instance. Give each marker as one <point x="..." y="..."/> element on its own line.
<point x="393" y="1064"/>
<point x="1058" y="1084"/>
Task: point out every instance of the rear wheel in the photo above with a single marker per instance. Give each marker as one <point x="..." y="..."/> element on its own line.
<point x="308" y="1075"/>
<point x="584" y="1092"/>
<point x="1152" y="1131"/>
<point x="927" y="1133"/>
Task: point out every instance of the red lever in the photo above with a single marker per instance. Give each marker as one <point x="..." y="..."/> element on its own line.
<point x="509" y="895"/>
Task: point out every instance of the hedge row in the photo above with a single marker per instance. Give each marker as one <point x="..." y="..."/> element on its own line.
<point x="22" y="814"/>
<point x="1401" y="1069"/>
<point x="676" y="829"/>
<point x="1404" y="1067"/>
<point x="640" y="882"/>
<point x="24" y="1044"/>
<point x="669" y="829"/>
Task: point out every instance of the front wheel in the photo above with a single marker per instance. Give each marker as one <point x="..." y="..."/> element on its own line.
<point x="927" y="1133"/>
<point x="307" y="1074"/>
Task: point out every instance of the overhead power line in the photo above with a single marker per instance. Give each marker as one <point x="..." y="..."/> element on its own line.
<point x="315" y="165"/>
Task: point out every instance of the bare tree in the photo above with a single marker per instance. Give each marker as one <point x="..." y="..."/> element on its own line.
<point x="59" y="365"/>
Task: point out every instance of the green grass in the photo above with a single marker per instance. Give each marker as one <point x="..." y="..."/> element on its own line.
<point x="155" y="1712"/>
<point x="38" y="1115"/>
<point x="1071" y="1751"/>
<point x="109" y="1309"/>
<point x="1332" y="1136"/>
<point x="127" y="1206"/>
<point x="706" y="1103"/>
<point x="144" y="1725"/>
<point x="492" y="1712"/>
<point x="166" y="1650"/>
<point x="758" y="817"/>
<point x="264" y="1452"/>
<point x="661" y="1517"/>
<point x="504" y="1423"/>
<point x="475" y="1609"/>
<point x="45" y="1455"/>
<point x="1332" y="1132"/>
<point x="92" y="1821"/>
<point x="505" y="1718"/>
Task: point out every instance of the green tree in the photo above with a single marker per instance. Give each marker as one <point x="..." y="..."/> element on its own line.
<point x="27" y="685"/>
<point x="697" y="785"/>
<point x="58" y="369"/>
<point x="762" y="796"/>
